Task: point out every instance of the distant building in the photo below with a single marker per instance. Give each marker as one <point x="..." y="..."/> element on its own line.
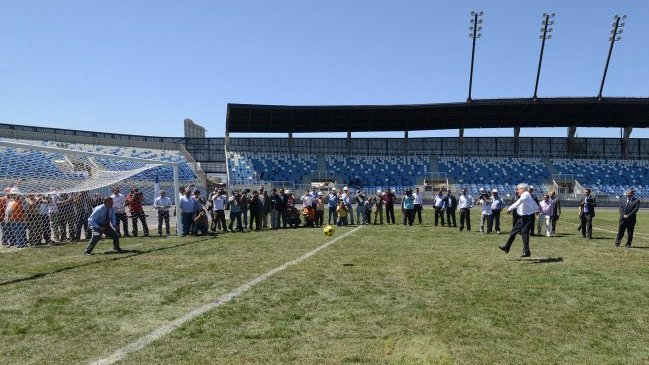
<point x="193" y="130"/>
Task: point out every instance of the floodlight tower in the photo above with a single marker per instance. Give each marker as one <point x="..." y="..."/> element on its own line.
<point x="475" y="28"/>
<point x="545" y="35"/>
<point x="615" y="36"/>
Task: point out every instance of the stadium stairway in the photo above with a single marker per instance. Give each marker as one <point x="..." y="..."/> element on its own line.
<point x="549" y="166"/>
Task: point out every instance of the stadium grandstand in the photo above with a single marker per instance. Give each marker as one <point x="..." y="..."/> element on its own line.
<point x="566" y="165"/>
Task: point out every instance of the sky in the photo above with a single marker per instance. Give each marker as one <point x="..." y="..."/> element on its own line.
<point x="141" y="67"/>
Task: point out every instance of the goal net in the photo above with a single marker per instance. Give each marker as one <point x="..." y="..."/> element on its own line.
<point x="49" y="192"/>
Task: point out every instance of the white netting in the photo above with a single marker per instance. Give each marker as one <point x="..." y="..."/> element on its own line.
<point x="49" y="192"/>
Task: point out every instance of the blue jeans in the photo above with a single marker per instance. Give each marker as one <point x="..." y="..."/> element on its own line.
<point x="187" y="220"/>
<point x="17" y="234"/>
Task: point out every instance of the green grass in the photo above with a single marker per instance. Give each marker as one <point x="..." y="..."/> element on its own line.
<point x="383" y="295"/>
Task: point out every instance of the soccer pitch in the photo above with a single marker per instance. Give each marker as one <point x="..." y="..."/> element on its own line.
<point x="380" y="295"/>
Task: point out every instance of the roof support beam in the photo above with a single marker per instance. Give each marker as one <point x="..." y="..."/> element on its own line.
<point x="517" y="135"/>
<point x="405" y="143"/>
<point x="461" y="142"/>
<point x="625" y="142"/>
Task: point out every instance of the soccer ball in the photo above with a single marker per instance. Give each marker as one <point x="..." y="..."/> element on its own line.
<point x="329" y="230"/>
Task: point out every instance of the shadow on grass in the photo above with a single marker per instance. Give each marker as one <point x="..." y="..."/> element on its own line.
<point x="541" y="260"/>
<point x="125" y="254"/>
<point x="640" y="247"/>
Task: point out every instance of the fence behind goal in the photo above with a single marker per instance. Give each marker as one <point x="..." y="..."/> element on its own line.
<point x="49" y="192"/>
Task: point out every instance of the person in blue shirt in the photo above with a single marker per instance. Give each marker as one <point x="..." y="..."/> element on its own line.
<point x="187" y="205"/>
<point x="102" y="221"/>
<point x="408" y="207"/>
<point x="332" y="200"/>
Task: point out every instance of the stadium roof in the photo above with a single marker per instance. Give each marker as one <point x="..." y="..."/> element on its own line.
<point x="492" y="113"/>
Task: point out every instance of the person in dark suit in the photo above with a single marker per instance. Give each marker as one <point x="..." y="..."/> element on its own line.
<point x="628" y="210"/>
<point x="451" y="207"/>
<point x="556" y="207"/>
<point x="587" y="204"/>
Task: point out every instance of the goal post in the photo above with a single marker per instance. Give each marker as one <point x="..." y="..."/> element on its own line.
<point x="49" y="191"/>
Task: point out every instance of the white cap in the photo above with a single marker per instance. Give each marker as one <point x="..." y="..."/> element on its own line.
<point x="521" y="186"/>
<point x="333" y="189"/>
<point x="494" y="191"/>
<point x="481" y="189"/>
<point x="379" y="191"/>
<point x="345" y="188"/>
<point x="287" y="191"/>
<point x="15" y="191"/>
<point x="320" y="193"/>
<point x="531" y="187"/>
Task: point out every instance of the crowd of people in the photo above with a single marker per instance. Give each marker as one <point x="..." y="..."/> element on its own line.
<point x="37" y="219"/>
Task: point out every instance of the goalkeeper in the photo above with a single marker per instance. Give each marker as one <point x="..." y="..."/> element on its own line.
<point x="102" y="221"/>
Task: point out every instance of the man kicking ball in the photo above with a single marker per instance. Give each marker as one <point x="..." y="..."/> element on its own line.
<point x="526" y="208"/>
<point x="102" y="221"/>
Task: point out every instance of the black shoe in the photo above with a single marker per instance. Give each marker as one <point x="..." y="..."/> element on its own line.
<point x="504" y="248"/>
<point x="617" y="245"/>
<point x="627" y="246"/>
<point x="526" y="254"/>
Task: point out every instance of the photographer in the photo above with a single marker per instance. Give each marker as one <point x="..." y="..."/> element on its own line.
<point x="134" y="200"/>
<point x="218" y="211"/>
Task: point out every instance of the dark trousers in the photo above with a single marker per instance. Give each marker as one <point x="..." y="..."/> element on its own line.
<point x="514" y="218"/>
<point x="163" y="215"/>
<point x="42" y="229"/>
<point x="142" y="217"/>
<point x="218" y="221"/>
<point x="439" y="214"/>
<point x="587" y="225"/>
<point x="533" y="224"/>
<point x="495" y="220"/>
<point x="389" y="213"/>
<point x="256" y="219"/>
<point x="555" y="218"/>
<point x="187" y="220"/>
<point x="236" y="216"/>
<point x="465" y="216"/>
<point x="417" y="211"/>
<point x="332" y="213"/>
<point x="282" y="216"/>
<point x="121" y="218"/>
<point x="450" y="213"/>
<point x="96" y="236"/>
<point x="319" y="217"/>
<point x="82" y="224"/>
<point x="409" y="216"/>
<point x="523" y="226"/>
<point x="627" y="225"/>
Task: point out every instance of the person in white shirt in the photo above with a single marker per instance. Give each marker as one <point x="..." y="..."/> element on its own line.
<point x="307" y="199"/>
<point x="497" y="205"/>
<point x="545" y="215"/>
<point x="465" y="203"/>
<point x="419" y="204"/>
<point x="56" y="221"/>
<point x="485" y="216"/>
<point x="347" y="200"/>
<point x="119" y="202"/>
<point x="440" y="206"/>
<point x="162" y="204"/>
<point x="526" y="208"/>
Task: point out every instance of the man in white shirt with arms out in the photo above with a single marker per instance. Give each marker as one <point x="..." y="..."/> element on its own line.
<point x="526" y="208"/>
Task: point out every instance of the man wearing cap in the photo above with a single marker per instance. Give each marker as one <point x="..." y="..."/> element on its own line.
<point x="628" y="211"/>
<point x="497" y="206"/>
<point x="419" y="203"/>
<point x="527" y="209"/>
<point x="587" y="204"/>
<point x="465" y="203"/>
<point x="119" y="202"/>
<point x="102" y="220"/>
<point x="255" y="211"/>
<point x="347" y="200"/>
<point x="162" y="204"/>
<point x="360" y="207"/>
<point x="332" y="203"/>
<point x="265" y="209"/>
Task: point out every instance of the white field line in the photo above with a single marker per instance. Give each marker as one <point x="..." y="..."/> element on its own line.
<point x="606" y="230"/>
<point x="172" y="326"/>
